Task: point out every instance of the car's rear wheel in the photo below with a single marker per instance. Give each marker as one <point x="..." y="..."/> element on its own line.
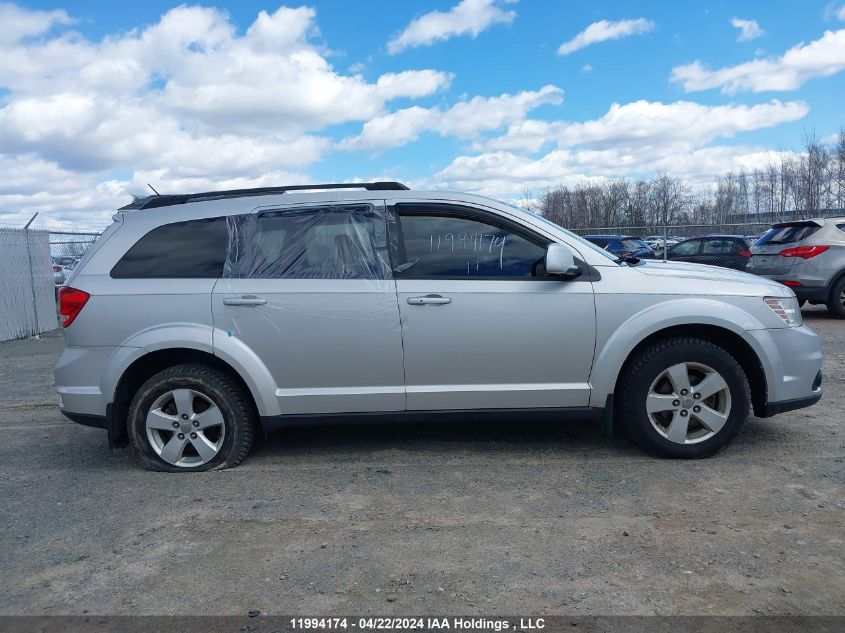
<point x="683" y="398"/>
<point x="190" y="417"/>
<point x="836" y="302"/>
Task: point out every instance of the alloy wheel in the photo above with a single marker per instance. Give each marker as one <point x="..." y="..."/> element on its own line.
<point x="185" y="428"/>
<point x="688" y="403"/>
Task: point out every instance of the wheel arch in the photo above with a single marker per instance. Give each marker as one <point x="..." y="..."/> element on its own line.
<point x="144" y="367"/>
<point x="728" y="340"/>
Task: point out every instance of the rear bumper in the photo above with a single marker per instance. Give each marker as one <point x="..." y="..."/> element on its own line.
<point x="106" y="422"/>
<point x="773" y="408"/>
<point x="811" y="293"/>
<point x="814" y="287"/>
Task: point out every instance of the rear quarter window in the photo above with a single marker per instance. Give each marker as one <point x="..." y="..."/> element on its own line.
<point x="195" y="249"/>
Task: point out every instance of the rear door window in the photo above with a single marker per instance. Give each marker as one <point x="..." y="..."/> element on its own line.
<point x="194" y="249"/>
<point x="716" y="247"/>
<point x="327" y="242"/>
<point x="687" y="248"/>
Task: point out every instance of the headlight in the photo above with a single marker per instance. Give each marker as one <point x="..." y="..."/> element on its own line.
<point x="787" y="309"/>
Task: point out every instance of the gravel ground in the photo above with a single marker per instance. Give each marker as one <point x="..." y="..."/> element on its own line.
<point x="508" y="518"/>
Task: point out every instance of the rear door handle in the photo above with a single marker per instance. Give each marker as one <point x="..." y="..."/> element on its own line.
<point x="246" y="300"/>
<point x="436" y="300"/>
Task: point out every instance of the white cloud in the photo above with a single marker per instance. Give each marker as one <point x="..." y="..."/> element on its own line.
<point x="465" y="119"/>
<point x="651" y="123"/>
<point x="468" y="17"/>
<point x="822" y="57"/>
<point x="748" y="29"/>
<point x="587" y="68"/>
<point x="633" y="139"/>
<point x="17" y="24"/>
<point x="501" y="174"/>
<point x="604" y="30"/>
<point x="187" y="99"/>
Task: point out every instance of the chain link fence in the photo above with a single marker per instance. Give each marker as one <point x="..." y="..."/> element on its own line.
<point x="725" y="245"/>
<point x="70" y="246"/>
<point x="27" y="283"/>
<point x="33" y="264"/>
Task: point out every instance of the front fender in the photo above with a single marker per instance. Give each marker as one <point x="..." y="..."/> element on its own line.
<point x="617" y="335"/>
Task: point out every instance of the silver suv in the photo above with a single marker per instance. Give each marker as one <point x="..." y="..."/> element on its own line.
<point x="197" y="321"/>
<point x="809" y="257"/>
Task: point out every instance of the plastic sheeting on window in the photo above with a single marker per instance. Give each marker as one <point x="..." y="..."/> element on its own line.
<point x="321" y="242"/>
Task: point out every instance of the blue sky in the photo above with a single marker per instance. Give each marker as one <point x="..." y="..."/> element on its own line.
<point x="97" y="98"/>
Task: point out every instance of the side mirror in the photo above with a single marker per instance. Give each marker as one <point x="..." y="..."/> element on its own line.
<point x="560" y="262"/>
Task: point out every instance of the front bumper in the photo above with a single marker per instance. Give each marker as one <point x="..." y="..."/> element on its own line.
<point x="773" y="408"/>
<point x="792" y="359"/>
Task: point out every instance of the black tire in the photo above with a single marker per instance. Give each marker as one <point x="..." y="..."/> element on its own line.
<point x="835" y="302"/>
<point x="229" y="397"/>
<point x="638" y="376"/>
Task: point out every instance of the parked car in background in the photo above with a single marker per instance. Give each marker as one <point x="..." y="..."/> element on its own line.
<point x="655" y="243"/>
<point x="727" y="251"/>
<point x="66" y="261"/>
<point x="623" y="245"/>
<point x="200" y="320"/>
<point x="59" y="274"/>
<point x="809" y="257"/>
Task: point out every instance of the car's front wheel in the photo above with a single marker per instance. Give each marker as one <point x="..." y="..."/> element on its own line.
<point x="683" y="398"/>
<point x="190" y="417"/>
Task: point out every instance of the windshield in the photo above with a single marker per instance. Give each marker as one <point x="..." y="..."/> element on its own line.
<point x="786" y="234"/>
<point x="581" y="241"/>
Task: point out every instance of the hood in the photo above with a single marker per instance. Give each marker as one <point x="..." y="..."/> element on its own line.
<point x="725" y="280"/>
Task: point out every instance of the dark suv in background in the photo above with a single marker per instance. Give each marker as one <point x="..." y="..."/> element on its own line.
<point x="727" y="251"/>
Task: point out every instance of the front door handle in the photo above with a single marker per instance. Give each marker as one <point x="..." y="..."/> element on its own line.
<point x="435" y="300"/>
<point x="246" y="300"/>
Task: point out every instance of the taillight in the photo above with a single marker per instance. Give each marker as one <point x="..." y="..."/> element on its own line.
<point x="71" y="302"/>
<point x="791" y="284"/>
<point x="745" y="254"/>
<point x="804" y="252"/>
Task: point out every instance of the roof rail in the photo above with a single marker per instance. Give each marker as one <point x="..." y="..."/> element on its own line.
<point x="166" y="200"/>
